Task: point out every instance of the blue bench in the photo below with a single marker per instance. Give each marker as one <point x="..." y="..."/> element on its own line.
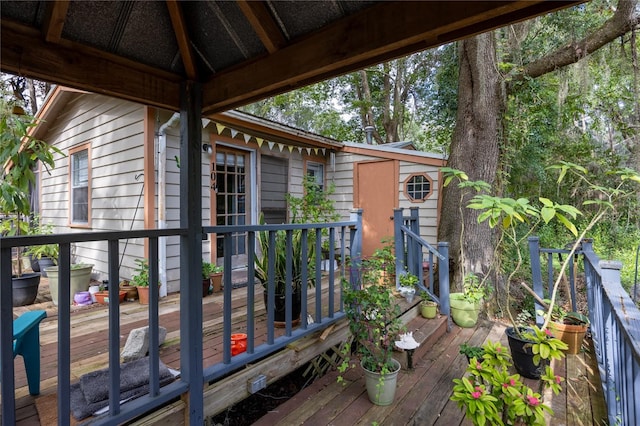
<point x="26" y="342"/>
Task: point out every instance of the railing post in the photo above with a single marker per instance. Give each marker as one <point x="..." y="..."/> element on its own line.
<point x="416" y="249"/>
<point x="191" y="248"/>
<point x="399" y="244"/>
<point x="536" y="275"/>
<point x="355" y="251"/>
<point x="443" y="277"/>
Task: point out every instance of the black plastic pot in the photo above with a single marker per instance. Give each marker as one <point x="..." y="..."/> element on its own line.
<point x="280" y="307"/>
<point x="522" y="355"/>
<point x="38" y="265"/>
<point x="25" y="289"/>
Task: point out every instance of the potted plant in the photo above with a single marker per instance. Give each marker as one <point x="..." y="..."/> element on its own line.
<point x="465" y="306"/>
<point x="141" y="280"/>
<point x="45" y="255"/>
<point x="280" y="270"/>
<point x="20" y="154"/>
<point x="211" y="278"/>
<point x="491" y="395"/>
<point x="570" y="327"/>
<point x="408" y="285"/>
<point x="428" y="307"/>
<point x="375" y="325"/>
<point x="471" y="352"/>
<point x="80" y="278"/>
<point x="102" y="296"/>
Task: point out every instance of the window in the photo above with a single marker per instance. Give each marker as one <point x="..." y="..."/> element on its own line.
<point x="417" y="187"/>
<point x="79" y="185"/>
<point x="316" y="170"/>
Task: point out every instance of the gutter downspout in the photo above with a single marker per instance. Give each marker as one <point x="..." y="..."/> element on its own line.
<point x="162" y="195"/>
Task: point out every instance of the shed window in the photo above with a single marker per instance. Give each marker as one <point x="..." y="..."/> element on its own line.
<point x="79" y="186"/>
<point x="417" y="187"/>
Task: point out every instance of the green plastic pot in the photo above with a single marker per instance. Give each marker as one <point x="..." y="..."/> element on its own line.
<point x="464" y="314"/>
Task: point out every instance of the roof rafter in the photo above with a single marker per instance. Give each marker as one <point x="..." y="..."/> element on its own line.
<point x="54" y="20"/>
<point x="182" y="37"/>
<point x="263" y="24"/>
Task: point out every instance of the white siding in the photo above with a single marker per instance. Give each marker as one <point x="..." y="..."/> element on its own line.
<point x="113" y="129"/>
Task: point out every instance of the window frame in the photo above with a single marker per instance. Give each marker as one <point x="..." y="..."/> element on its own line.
<point x="407" y="183"/>
<point x="322" y="168"/>
<point x="72" y="152"/>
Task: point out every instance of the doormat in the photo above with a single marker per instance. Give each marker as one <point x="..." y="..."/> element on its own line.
<point x="47" y="407"/>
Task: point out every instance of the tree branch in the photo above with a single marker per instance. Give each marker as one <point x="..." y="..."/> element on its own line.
<point x="624" y="20"/>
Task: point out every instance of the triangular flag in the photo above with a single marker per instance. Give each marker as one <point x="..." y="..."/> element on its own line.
<point x="300" y="149"/>
<point x="308" y="151"/>
<point x="323" y="151"/>
<point x="290" y="148"/>
<point x="246" y="138"/>
<point x="281" y="146"/>
<point x="315" y="150"/>
<point x="270" y="144"/>
<point x="259" y="140"/>
<point x="220" y="128"/>
<point x="234" y="132"/>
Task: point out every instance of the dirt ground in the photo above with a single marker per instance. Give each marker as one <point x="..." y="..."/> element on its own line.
<point x="257" y="405"/>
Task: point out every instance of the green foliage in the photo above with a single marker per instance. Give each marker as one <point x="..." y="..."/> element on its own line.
<point x="474" y="289"/>
<point x="141" y="277"/>
<point x="374" y="322"/>
<point x="472" y="351"/>
<point x="381" y="266"/>
<point x="20" y="154"/>
<point x="46" y="250"/>
<point x="408" y="280"/>
<point x="280" y="259"/>
<point x="492" y="396"/>
<point x="314" y="206"/>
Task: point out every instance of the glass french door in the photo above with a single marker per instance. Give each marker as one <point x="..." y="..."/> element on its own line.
<point x="232" y="201"/>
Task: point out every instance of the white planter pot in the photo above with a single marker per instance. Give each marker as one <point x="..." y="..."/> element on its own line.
<point x="80" y="279"/>
<point x="381" y="389"/>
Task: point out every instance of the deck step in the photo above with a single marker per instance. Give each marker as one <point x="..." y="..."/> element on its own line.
<point x="426" y="332"/>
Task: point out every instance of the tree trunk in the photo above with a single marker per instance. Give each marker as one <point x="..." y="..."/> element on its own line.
<point x="474" y="149"/>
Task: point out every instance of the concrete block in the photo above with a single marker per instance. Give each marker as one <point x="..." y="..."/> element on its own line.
<point x="137" y="345"/>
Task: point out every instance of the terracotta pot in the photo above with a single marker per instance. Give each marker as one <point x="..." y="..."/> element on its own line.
<point x="102" y="297"/>
<point x="216" y="282"/>
<point x="132" y="292"/>
<point x="571" y="334"/>
<point x="143" y="295"/>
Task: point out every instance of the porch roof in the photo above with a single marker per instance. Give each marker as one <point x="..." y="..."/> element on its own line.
<point x="240" y="51"/>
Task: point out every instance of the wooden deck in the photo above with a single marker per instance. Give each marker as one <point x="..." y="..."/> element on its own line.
<point x="422" y="396"/>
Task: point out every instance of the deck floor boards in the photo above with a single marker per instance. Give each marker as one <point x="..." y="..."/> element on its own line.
<point x="422" y="396"/>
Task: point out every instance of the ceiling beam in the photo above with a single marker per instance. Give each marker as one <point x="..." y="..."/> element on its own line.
<point x="54" y="20"/>
<point x="263" y="24"/>
<point x="25" y="53"/>
<point x="361" y="40"/>
<point x="182" y="37"/>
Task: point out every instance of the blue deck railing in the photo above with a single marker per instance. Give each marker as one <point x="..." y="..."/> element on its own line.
<point x="615" y="328"/>
<point x="419" y="253"/>
<point x="191" y="330"/>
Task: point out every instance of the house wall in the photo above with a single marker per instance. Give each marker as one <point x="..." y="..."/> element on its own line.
<point x="343" y="178"/>
<point x="114" y="130"/>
